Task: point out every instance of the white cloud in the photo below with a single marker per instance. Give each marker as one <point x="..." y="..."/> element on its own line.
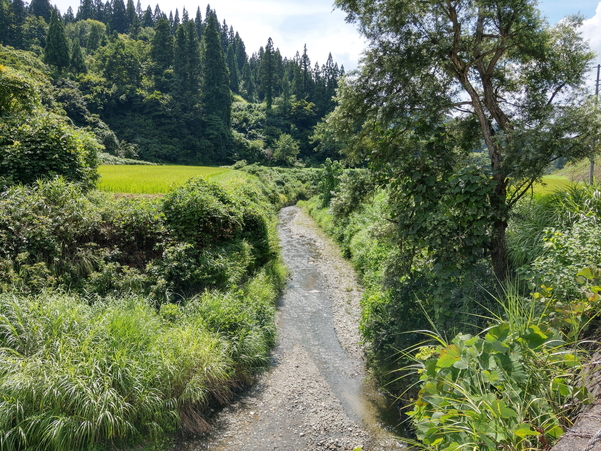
<point x="591" y="31"/>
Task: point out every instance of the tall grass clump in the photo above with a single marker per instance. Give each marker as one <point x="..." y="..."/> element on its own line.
<point x="560" y="210"/>
<point x="74" y="375"/>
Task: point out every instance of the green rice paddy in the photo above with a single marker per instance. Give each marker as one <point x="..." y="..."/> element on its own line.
<point x="162" y="179"/>
<point x="151" y="179"/>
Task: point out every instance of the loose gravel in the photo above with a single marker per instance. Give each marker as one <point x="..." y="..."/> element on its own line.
<point x="314" y="397"/>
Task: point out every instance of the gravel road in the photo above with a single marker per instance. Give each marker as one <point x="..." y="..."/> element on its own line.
<point x="315" y="396"/>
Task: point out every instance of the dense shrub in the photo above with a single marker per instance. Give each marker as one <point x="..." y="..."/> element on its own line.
<point x="202" y="213"/>
<point x="200" y="236"/>
<point x="36" y="142"/>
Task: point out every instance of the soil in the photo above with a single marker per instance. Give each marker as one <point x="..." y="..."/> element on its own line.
<point x="315" y="396"/>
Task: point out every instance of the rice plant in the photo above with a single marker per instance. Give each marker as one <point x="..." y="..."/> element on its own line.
<point x="150" y="179"/>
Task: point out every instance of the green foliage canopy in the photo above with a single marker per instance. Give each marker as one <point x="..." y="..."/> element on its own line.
<point x="509" y="81"/>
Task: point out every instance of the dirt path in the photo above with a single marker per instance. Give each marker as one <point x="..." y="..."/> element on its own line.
<point x="314" y="397"/>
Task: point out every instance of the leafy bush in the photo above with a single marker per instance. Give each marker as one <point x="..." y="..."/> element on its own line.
<point x="513" y="385"/>
<point x="43" y="145"/>
<point x="35" y="142"/>
<point x="202" y="213"/>
<point x="566" y="252"/>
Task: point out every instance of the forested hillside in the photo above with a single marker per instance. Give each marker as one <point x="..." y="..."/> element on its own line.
<point x="169" y="87"/>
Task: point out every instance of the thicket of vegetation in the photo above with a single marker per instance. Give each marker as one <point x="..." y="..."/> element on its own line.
<point x="475" y="364"/>
<point x="123" y="319"/>
<point x="151" y="85"/>
<point x="457" y="110"/>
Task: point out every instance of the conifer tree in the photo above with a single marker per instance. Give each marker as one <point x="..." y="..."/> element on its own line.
<point x="130" y="13"/>
<point x="56" y="52"/>
<point x="106" y="16"/>
<point x="85" y="10"/>
<point x="118" y="18"/>
<point x="77" y="63"/>
<point x="69" y="17"/>
<point x="157" y="13"/>
<point x="307" y="78"/>
<point x="147" y="20"/>
<point x="193" y="63"/>
<point x="99" y="11"/>
<point x="41" y="8"/>
<point x="176" y="21"/>
<point x="180" y="57"/>
<point x="16" y="15"/>
<point x="267" y="73"/>
<point x="134" y="27"/>
<point x="248" y="82"/>
<point x="240" y="50"/>
<point x="161" y="49"/>
<point x="233" y="68"/>
<point x="224" y="36"/>
<point x="198" y="23"/>
<point x="216" y="96"/>
<point x="4" y="22"/>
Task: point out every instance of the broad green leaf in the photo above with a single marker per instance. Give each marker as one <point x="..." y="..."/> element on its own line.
<point x="448" y="356"/>
<point x="524" y="430"/>
<point x="586" y="273"/>
<point x="491" y="376"/>
<point x="461" y="364"/>
<point x="555" y="432"/>
<point x="499" y="332"/>
<point x="535" y="337"/>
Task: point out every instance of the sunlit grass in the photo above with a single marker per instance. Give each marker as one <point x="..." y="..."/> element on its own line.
<point x="151" y="179"/>
<point x="550" y="184"/>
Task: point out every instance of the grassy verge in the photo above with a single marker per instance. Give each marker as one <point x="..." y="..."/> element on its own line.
<point x="75" y="375"/>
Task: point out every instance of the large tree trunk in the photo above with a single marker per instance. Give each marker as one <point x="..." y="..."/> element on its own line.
<point x="498" y="251"/>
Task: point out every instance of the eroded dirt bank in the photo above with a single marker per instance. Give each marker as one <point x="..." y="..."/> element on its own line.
<point x="314" y="397"/>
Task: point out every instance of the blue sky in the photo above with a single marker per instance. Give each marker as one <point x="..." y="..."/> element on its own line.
<point x="293" y="23"/>
<point x="556" y="10"/>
